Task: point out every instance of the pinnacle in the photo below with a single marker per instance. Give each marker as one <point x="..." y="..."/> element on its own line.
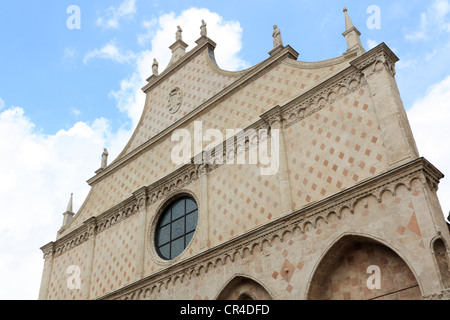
<point x="348" y="21"/>
<point x="70" y="204"/>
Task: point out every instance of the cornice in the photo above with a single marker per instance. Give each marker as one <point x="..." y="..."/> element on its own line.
<point x="48" y="250"/>
<point x="301" y="221"/>
<point x="441" y="295"/>
<point x="381" y="54"/>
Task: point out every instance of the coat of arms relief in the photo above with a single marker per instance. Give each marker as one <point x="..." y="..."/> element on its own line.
<point x="175" y="100"/>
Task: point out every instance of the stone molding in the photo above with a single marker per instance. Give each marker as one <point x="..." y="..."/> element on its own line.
<point x="380" y="57"/>
<point x="48" y="250"/>
<point x="441" y="295"/>
<point x="294" y="223"/>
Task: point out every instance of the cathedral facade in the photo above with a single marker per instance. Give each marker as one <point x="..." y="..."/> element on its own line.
<point x="289" y="180"/>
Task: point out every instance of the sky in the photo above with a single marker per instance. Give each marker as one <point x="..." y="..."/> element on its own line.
<point x="71" y="74"/>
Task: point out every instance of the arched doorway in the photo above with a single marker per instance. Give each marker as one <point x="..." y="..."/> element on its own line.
<point x="358" y="268"/>
<point x="243" y="288"/>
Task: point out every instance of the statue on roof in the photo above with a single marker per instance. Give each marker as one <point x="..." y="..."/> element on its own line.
<point x="155" y="67"/>
<point x="203" y="31"/>
<point x="178" y="35"/>
<point x="277" y="41"/>
<point x="104" y="158"/>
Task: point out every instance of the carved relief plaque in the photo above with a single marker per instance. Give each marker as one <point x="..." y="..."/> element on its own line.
<point x="175" y="100"/>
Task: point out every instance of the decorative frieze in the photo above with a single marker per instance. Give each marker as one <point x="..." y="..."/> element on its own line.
<point x="441" y="295"/>
<point x="317" y="98"/>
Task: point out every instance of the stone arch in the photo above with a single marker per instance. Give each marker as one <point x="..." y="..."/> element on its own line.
<point x="441" y="258"/>
<point x="243" y="288"/>
<point x="357" y="267"/>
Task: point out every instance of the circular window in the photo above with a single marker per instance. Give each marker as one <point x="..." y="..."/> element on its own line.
<point x="176" y="228"/>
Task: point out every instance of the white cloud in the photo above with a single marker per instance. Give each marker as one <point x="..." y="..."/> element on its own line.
<point x="421" y="34"/>
<point x="149" y="26"/>
<point x="371" y="43"/>
<point x="38" y="173"/>
<point x="227" y="35"/>
<point x="69" y="52"/>
<point x="405" y="64"/>
<point x="430" y="118"/>
<point x="127" y="9"/>
<point x="69" y="58"/>
<point x="2" y="104"/>
<point x="160" y="35"/>
<point x="75" y="112"/>
<point x="110" y="52"/>
<point x="432" y="22"/>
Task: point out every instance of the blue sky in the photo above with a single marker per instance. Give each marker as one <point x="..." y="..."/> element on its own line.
<point x="67" y="93"/>
<point x="40" y="50"/>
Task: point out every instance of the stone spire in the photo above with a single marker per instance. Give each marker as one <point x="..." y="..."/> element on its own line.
<point x="70" y="204"/>
<point x="352" y="35"/>
<point x="348" y="22"/>
<point x="68" y="215"/>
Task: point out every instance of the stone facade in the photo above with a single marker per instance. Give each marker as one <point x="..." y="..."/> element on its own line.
<point x="351" y="202"/>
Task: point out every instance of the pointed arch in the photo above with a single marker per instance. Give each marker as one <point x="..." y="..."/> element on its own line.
<point x="441" y="257"/>
<point x="346" y="272"/>
<point x="242" y="287"/>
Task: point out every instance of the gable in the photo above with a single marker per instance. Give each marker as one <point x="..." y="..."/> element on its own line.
<point x="147" y="157"/>
<point x="181" y="88"/>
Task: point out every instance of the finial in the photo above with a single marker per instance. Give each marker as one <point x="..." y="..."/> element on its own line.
<point x="70" y="204"/>
<point x="352" y="35"/>
<point x="348" y="21"/>
<point x="68" y="215"/>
